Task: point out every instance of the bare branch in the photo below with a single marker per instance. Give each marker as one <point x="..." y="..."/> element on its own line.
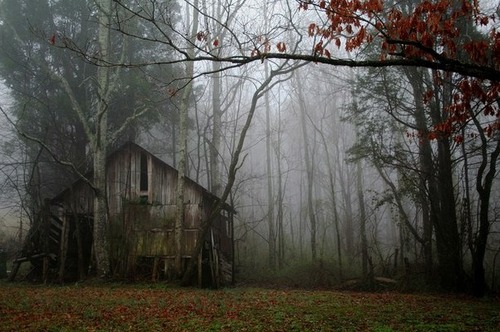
<point x="47" y="148"/>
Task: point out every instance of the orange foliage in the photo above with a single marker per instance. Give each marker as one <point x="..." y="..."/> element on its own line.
<point x="429" y="32"/>
<point x="431" y="26"/>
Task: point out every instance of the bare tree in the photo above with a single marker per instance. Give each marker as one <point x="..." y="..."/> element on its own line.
<point x="308" y="161"/>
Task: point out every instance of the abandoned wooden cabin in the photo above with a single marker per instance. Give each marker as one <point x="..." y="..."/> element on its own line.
<point x="141" y="195"/>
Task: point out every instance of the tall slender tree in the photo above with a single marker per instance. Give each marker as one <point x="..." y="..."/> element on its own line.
<point x="308" y="161"/>
<point x="47" y="49"/>
<point x="183" y="132"/>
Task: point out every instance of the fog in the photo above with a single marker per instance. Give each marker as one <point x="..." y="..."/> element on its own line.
<point x="339" y="177"/>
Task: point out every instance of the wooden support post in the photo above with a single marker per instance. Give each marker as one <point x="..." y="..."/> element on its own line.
<point x="15" y="269"/>
<point x="214" y="262"/>
<point x="167" y="269"/>
<point x="46" y="235"/>
<point x="211" y="259"/>
<point x="233" y="260"/>
<point x="63" y="248"/>
<point x="395" y="266"/>
<point x="218" y="274"/>
<point x="45" y="269"/>
<point x="155" y="269"/>
<point x="200" y="270"/>
<point x="79" y="243"/>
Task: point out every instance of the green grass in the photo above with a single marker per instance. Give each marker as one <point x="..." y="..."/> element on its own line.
<point x="115" y="307"/>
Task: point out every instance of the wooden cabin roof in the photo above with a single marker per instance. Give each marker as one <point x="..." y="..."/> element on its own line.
<point x="131" y="145"/>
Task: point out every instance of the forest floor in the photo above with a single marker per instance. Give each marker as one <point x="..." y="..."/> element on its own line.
<point x="160" y="307"/>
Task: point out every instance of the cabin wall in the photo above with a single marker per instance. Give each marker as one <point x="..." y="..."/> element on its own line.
<point x="144" y="210"/>
<point x="141" y="193"/>
<point x="125" y="173"/>
<point x="78" y="199"/>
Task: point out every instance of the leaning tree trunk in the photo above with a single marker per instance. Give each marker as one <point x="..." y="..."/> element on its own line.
<point x="219" y="32"/>
<point x="333" y="199"/>
<point x="484" y="184"/>
<point x="233" y="168"/>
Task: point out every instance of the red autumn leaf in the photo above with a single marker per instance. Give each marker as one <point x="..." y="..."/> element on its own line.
<point x="312" y="28"/>
<point x="489" y="130"/>
<point x="281" y="47"/>
<point x="53" y="39"/>
<point x="201" y="36"/>
<point x="428" y="95"/>
<point x="216" y="43"/>
<point x="267" y="46"/>
<point x="432" y="135"/>
<point x="327" y="54"/>
<point x="319" y="48"/>
<point x="458" y="139"/>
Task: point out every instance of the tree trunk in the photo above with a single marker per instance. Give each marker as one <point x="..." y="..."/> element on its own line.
<point x="448" y="242"/>
<point x="447" y="238"/>
<point x="333" y="199"/>
<point x="182" y="148"/>
<point x="362" y="222"/>
<point x="348" y="215"/>
<point x="100" y="233"/>
<point x="233" y="168"/>
<point x="280" y="213"/>
<point x="484" y="184"/>
<point x="216" y="129"/>
<point x="270" y="196"/>
<point x="100" y="141"/>
<point x="218" y="33"/>
<point x="427" y="181"/>
<point x="309" y="170"/>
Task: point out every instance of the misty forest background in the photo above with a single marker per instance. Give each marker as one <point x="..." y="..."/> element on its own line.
<point x="337" y="179"/>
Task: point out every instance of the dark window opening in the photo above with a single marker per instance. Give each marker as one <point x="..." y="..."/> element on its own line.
<point x="144" y="173"/>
